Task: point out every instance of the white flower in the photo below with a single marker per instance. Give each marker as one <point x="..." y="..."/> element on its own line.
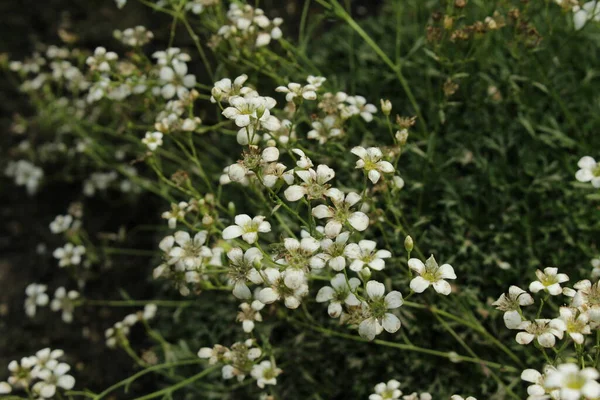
<point x="314" y="183"/>
<point x="246" y="227"/>
<point x="245" y="111"/>
<point x="573" y="383"/>
<point x="364" y="255"/>
<point x="387" y="391"/>
<point x="120" y="3"/>
<point x="365" y="110"/>
<point x="537" y="390"/>
<point x="431" y="274"/>
<point x="576" y="325"/>
<point x="511" y="304"/>
<point x="69" y="255"/>
<point x="249" y="314"/>
<point x="296" y="90"/>
<point x="340" y="292"/>
<point x="153" y="140"/>
<point x="224" y="89"/>
<point x="265" y="373"/>
<point x="589" y="169"/>
<point x="64" y="301"/>
<point x="53" y="377"/>
<point x="36" y="296"/>
<point x="457" y="397"/>
<point x="588" y="12"/>
<point x="548" y="280"/>
<point x="370" y="161"/>
<point x="5" y="388"/>
<point x="176" y="213"/>
<point x="378" y="305"/>
<point x="325" y="129"/>
<point x="298" y="257"/>
<point x="61" y="223"/>
<point x="101" y="59"/>
<point x="279" y="289"/>
<point x="242" y="269"/>
<point x="21" y="372"/>
<point x="544" y="330"/>
<point x="341" y="213"/>
<point x="333" y="252"/>
<point x="316" y="81"/>
<point x="176" y="80"/>
<point x="25" y="174"/>
<point x="191" y="252"/>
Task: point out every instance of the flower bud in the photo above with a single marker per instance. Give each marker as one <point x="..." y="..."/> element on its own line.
<point x="398" y="182"/>
<point x="409" y="244"/>
<point x="386" y="107"/>
<point x="402" y="137"/>
<point x="217" y="93"/>
<point x="365" y="274"/>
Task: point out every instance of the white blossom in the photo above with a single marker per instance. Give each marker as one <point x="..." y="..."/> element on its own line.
<point x="153" y="140"/>
<point x="370" y="161"/>
<point x="510" y="303"/>
<point x="573" y="383"/>
<point x="340" y="292"/>
<point x="387" y="391"/>
<point x="341" y="212"/>
<point x="69" y="254"/>
<point x="36" y="296"/>
<point x="265" y="373"/>
<point x="364" y="255"/>
<point x="544" y="330"/>
<point x="379" y="306"/>
<point x="314" y="183"/>
<point x="548" y="280"/>
<point x="65" y="301"/>
<point x="246" y="227"/>
<point x="431" y="274"/>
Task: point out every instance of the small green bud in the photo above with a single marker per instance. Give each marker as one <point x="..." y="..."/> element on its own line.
<point x="386" y="107"/>
<point x="409" y="244"/>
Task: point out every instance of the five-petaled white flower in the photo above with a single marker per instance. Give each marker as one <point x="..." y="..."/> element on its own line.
<point x="64" y="301"/>
<point x="242" y="268"/>
<point x="370" y="161"/>
<point x="176" y="80"/>
<point x="36" y="296"/>
<point x="589" y="169"/>
<point x="364" y="255"/>
<point x="69" y="254"/>
<point x="544" y="330"/>
<point x="245" y="111"/>
<point x="573" y="383"/>
<point x="576" y="325"/>
<point x="278" y="289"/>
<point x="510" y="303"/>
<point x="341" y="213"/>
<point x="190" y="252"/>
<point x="265" y="373"/>
<point x="246" y="227"/>
<point x="379" y="307"/>
<point x="52" y="377"/>
<point x="387" y="391"/>
<point x="431" y="274"/>
<point x="153" y="140"/>
<point x="340" y="292"/>
<point x="314" y="183"/>
<point x="548" y="280"/>
<point x="249" y="314"/>
<point x="295" y="90"/>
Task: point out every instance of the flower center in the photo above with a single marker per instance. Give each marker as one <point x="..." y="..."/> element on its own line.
<point x="596" y="170"/>
<point x="574" y="381"/>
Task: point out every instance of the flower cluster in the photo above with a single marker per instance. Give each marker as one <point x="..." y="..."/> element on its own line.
<point x="41" y="375"/>
<point x="120" y="330"/>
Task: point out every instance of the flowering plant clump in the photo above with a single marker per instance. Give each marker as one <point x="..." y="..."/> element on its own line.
<point x="271" y="206"/>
